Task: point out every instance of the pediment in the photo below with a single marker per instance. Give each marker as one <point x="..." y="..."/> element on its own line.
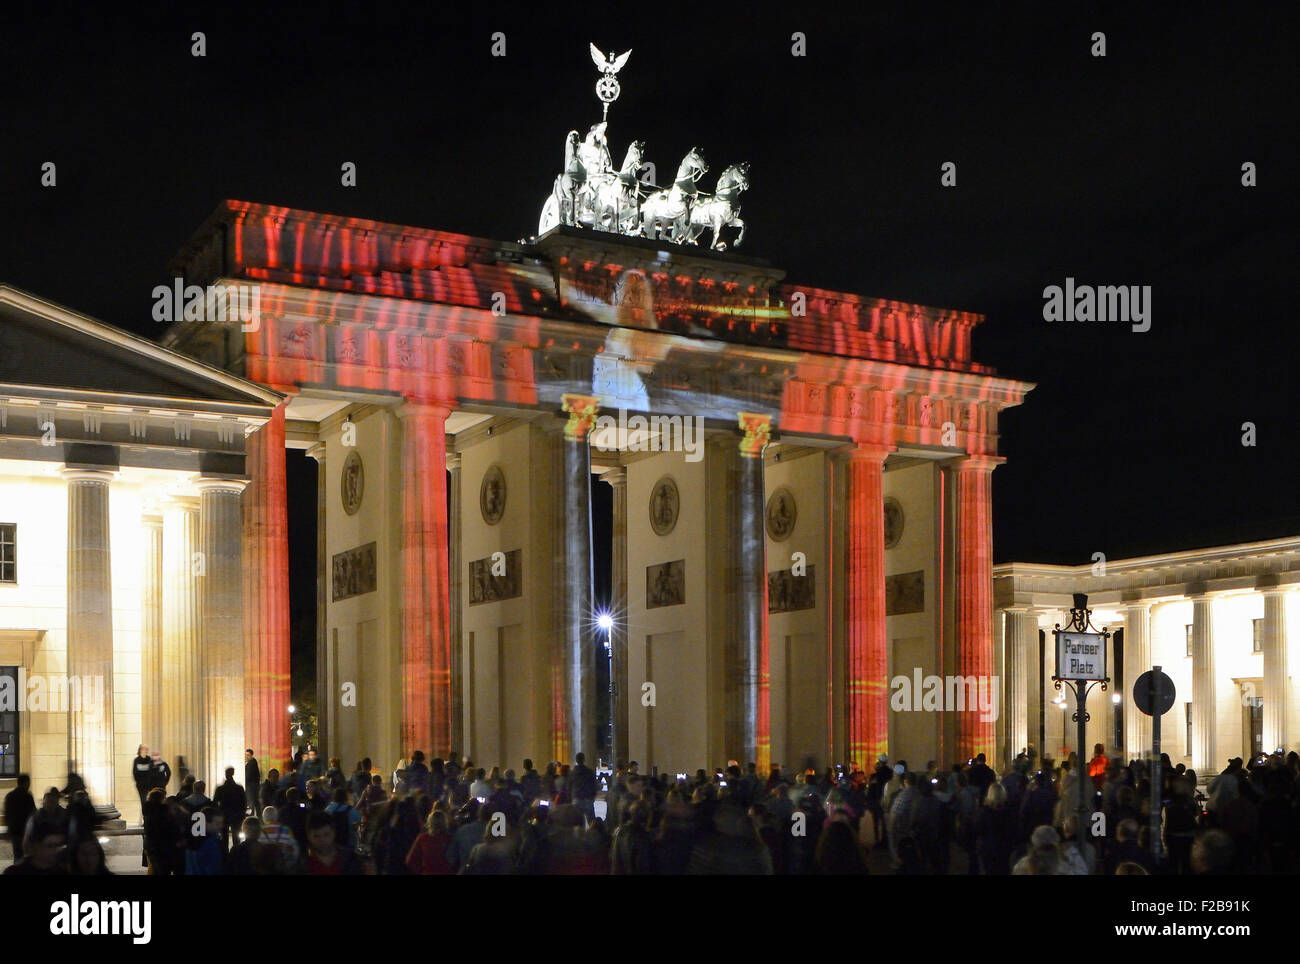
<point x="47" y="346"/>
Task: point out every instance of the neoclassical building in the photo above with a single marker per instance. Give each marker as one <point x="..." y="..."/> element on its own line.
<point x="121" y="476"/>
<point x="1220" y="622"/>
<point x="801" y="483"/>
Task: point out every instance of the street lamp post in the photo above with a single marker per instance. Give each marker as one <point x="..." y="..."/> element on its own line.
<point x="606" y="622"/>
<point x="1081" y="664"/>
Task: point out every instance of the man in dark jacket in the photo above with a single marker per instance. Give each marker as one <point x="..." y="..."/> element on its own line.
<point x="160" y="774"/>
<point x="19" y="807"/>
<point x="252" y="781"/>
<point x="583" y="786"/>
<point x="311" y="769"/>
<point x="233" y="801"/>
<point x="142" y="772"/>
<point x="530" y="784"/>
<point x="1039" y="806"/>
<point x="417" y="774"/>
<point x="981" y="776"/>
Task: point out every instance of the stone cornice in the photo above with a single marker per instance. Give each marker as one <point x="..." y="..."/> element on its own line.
<point x="725" y="297"/>
<point x="1147" y="579"/>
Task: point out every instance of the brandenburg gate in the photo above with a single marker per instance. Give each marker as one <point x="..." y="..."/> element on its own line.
<point x="801" y="482"/>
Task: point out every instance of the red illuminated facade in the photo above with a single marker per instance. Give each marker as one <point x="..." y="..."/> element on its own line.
<point x="445" y="323"/>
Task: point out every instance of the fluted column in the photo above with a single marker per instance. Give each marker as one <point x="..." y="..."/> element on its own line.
<point x="1137" y="660"/>
<point x="426" y="646"/>
<point x="868" y="658"/>
<point x="221" y="628"/>
<point x="617" y="480"/>
<point x="1276" y="669"/>
<point x="455" y="582"/>
<point x="755" y="672"/>
<point x="974" y="495"/>
<point x="1204" y="744"/>
<point x="266" y="596"/>
<point x="579" y="649"/>
<point x="325" y="698"/>
<point x="151" y="634"/>
<point x="182" y="695"/>
<point x="1022" y="655"/>
<point x="90" y="632"/>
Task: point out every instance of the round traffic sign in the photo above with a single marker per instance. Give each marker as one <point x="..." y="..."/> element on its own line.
<point x="1164" y="692"/>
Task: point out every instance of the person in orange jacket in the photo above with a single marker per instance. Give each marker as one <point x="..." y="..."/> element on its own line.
<point x="1097" y="766"/>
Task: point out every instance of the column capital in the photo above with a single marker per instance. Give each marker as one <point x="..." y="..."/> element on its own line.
<point x="978" y="463"/>
<point x="615" y="477"/>
<point x="317" y="452"/>
<point x="453" y="461"/>
<point x="1270" y="585"/>
<point x="151" y="519"/>
<point x="88" y="475"/>
<point x="581" y="410"/>
<point x="221" y="485"/>
<point x="758" y="432"/>
<point x="423" y="408"/>
<point x="1023" y="610"/>
<point x="866" y="452"/>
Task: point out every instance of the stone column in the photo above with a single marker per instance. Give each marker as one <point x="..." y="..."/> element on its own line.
<point x="1022" y="658"/>
<point x="1137" y="660"/>
<point x="151" y="634"/>
<point x="974" y="504"/>
<point x="426" y="649"/>
<point x="266" y="596"/>
<point x="90" y="632"/>
<point x="579" y="659"/>
<point x="325" y="698"/>
<point x="182" y="698"/>
<point x="455" y="588"/>
<point x="617" y="479"/>
<point x="755" y="673"/>
<point x="1205" y="755"/>
<point x="868" y="654"/>
<point x="221" y="628"/>
<point x="1276" y="668"/>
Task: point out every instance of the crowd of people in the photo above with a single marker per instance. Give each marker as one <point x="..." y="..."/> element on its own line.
<point x="451" y="817"/>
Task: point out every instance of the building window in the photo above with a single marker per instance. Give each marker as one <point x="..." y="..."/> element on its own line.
<point x="1188" y="630"/>
<point x="1187" y="708"/>
<point x="8" y="552"/>
<point x="1257" y="635"/>
<point x="9" y="729"/>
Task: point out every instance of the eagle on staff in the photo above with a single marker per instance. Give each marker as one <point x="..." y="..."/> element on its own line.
<point x="591" y="193"/>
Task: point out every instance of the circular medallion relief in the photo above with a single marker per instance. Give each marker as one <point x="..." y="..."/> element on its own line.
<point x="893" y="521"/>
<point x="664" y="505"/>
<point x="782" y="513"/>
<point x="352" y="485"/>
<point x="492" y="495"/>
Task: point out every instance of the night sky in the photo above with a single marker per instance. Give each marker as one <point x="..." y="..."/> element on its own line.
<point x="1122" y="170"/>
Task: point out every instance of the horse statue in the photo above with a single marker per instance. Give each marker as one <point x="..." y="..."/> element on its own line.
<point x="666" y="214"/>
<point x="562" y="206"/>
<point x="721" y="210"/>
<point x="616" y="199"/>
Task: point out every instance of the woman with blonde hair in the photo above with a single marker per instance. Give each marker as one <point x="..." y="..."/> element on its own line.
<point x="428" y="854"/>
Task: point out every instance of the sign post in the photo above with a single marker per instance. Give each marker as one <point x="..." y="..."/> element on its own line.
<point x="1154" y="695"/>
<point x="1081" y="664"/>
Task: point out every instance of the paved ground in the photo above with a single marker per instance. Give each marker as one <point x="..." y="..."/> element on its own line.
<point x="121" y="851"/>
